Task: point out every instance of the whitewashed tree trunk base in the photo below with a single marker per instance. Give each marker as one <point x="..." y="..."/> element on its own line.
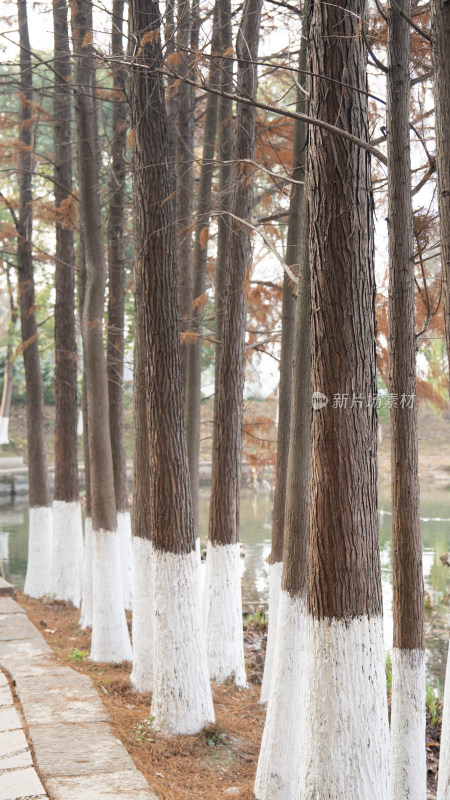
<point x="143" y="616"/>
<point x="223" y="614"/>
<point x="275" y="572"/>
<point x="66" y="577"/>
<point x="40" y="534"/>
<point x="86" y="597"/>
<point x="408" y="769"/>
<point x="443" y="790"/>
<point x="182" y="700"/>
<point x="279" y="757"/>
<point x="4" y="425"/>
<point x="110" y="638"/>
<point x="345" y="735"/>
<point x="126" y="556"/>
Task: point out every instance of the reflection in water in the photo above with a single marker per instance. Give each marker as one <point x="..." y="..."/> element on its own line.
<point x="255" y="530"/>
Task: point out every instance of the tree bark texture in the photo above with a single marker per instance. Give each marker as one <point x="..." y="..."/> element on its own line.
<point x="39" y="492"/>
<point x="141" y="464"/>
<point x="194" y="349"/>
<point x="228" y="408"/>
<point x="8" y="377"/>
<point x="294" y="578"/>
<point x="408" y="600"/>
<point x="116" y="265"/>
<point x="5" y="406"/>
<point x="225" y="153"/>
<point x="84" y="399"/>
<point x="170" y="498"/>
<point x="184" y="164"/>
<point x="293" y="255"/>
<point x="171" y="102"/>
<point x="100" y="455"/>
<point x="66" y="458"/>
<point x="440" y="33"/>
<point x="344" y="564"/>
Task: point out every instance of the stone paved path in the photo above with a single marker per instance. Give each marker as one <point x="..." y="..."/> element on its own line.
<point x="76" y="753"/>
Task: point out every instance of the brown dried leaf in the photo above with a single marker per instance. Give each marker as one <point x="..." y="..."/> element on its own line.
<point x="203" y="237"/>
<point x="188" y="337"/>
<point x="87" y="41"/>
<point x="199" y="304"/>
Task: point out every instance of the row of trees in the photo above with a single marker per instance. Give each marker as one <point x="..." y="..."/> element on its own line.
<point x="325" y="586"/>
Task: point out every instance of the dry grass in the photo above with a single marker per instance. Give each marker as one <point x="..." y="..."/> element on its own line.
<point x="177" y="768"/>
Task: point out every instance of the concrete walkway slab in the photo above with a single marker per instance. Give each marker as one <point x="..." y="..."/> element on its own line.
<point x="77" y="754"/>
<point x="18" y="777"/>
<point x="6" y="588"/>
<point x="101" y="787"/>
<point x="81" y="749"/>
<point x="67" y="699"/>
<point x="20" y="783"/>
<point x="17" y="626"/>
<point x="9" y="720"/>
<point x="16" y="760"/>
<point x="9" y="606"/>
<point x="11" y="742"/>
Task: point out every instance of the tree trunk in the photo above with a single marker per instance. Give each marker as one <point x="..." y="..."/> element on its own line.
<point x="407" y="756"/>
<point x="171" y="98"/>
<point x="184" y="165"/>
<point x="225" y="153"/>
<point x="194" y="350"/>
<point x="293" y="255"/>
<point x="40" y="525"/>
<point x="440" y="30"/>
<point x="110" y="640"/>
<point x="279" y="758"/>
<point x="66" y="577"/>
<point x="182" y="700"/>
<point x="143" y="606"/>
<point x="116" y="305"/>
<point x="278" y="764"/>
<point x="223" y="604"/>
<point x="344" y="754"/>
<point x="5" y="407"/>
<point x="87" y="596"/>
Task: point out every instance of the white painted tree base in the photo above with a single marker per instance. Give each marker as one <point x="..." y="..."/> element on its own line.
<point x="86" y="597"/>
<point x="279" y="757"/>
<point x="408" y="769"/>
<point x="40" y="533"/>
<point x="4" y="425"/>
<point x="443" y="790"/>
<point x="275" y="572"/>
<point x="66" y="576"/>
<point x="143" y="616"/>
<point x="223" y="614"/>
<point x="345" y="735"/>
<point x="182" y="700"/>
<point x="126" y="557"/>
<point x="110" y="638"/>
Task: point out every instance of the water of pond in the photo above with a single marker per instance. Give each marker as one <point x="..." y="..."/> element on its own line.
<point x="255" y="526"/>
